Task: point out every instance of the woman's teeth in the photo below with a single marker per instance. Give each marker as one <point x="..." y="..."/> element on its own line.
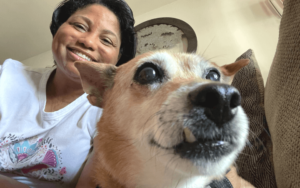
<point x="82" y="56"/>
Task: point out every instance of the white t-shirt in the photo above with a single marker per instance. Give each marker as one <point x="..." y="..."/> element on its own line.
<point x="36" y="145"/>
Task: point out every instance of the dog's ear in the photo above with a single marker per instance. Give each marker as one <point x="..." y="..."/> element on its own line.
<point x="233" y="68"/>
<point x="96" y="78"/>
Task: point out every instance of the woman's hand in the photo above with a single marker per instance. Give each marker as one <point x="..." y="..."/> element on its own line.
<point x="7" y="182"/>
<point x="85" y="179"/>
<point x="236" y="180"/>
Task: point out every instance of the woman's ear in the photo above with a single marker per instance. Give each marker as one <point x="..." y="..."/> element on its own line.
<point x="96" y="78"/>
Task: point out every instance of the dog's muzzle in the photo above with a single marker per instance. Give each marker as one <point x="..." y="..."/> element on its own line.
<point x="208" y="131"/>
<point x="217" y="100"/>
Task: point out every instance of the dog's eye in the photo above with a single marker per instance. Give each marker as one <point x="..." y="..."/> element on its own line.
<point x="148" y="73"/>
<point x="213" y="75"/>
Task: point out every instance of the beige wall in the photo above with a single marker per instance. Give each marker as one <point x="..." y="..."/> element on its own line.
<point x="42" y="60"/>
<point x="225" y="29"/>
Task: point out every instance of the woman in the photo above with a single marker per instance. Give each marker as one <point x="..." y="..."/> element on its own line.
<point x="46" y="123"/>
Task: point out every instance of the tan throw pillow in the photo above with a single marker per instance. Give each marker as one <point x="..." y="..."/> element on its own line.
<point x="282" y="99"/>
<point x="254" y="164"/>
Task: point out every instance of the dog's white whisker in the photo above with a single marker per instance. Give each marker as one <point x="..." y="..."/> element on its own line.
<point x="208" y="46"/>
<point x="256" y="138"/>
<point x="148" y="120"/>
<point x="241" y="153"/>
<point x="178" y="183"/>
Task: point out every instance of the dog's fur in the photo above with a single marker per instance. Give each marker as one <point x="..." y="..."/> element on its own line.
<point x="143" y="125"/>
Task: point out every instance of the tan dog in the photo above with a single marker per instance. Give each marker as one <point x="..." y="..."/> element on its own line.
<point x="169" y="120"/>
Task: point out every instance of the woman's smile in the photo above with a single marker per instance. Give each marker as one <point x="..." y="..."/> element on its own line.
<point x="77" y="55"/>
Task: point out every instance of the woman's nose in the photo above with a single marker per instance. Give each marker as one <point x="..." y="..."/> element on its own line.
<point x="89" y="41"/>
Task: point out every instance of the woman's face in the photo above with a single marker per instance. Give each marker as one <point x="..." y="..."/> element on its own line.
<point x="90" y="34"/>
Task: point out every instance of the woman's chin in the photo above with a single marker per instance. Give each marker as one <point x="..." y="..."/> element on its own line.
<point x="74" y="75"/>
<point x="70" y="71"/>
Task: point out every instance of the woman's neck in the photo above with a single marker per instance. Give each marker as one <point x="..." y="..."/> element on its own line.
<point x="61" y="91"/>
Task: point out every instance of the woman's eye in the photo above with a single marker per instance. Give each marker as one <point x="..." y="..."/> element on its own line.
<point x="107" y="41"/>
<point x="213" y="75"/>
<point x="80" y="27"/>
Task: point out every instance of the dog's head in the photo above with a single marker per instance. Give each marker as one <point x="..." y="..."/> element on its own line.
<point x="176" y="111"/>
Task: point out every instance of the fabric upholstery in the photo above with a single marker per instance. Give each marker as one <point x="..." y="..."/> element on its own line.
<point x="254" y="164"/>
<point x="282" y="99"/>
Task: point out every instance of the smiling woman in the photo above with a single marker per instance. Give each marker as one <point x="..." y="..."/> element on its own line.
<point x="47" y="132"/>
<point x="90" y="34"/>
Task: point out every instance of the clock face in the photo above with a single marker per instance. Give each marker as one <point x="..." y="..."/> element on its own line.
<point x="162" y="36"/>
<point x="167" y="34"/>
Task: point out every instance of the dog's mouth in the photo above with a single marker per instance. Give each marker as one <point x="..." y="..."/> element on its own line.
<point x="208" y="148"/>
<point x="193" y="148"/>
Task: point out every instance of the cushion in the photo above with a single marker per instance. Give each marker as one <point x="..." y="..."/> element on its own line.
<point x="282" y="98"/>
<point x="254" y="164"/>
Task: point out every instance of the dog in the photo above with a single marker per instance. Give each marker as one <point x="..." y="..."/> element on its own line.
<point x="169" y="120"/>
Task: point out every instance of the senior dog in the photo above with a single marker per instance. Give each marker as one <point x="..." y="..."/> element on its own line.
<point x="169" y="120"/>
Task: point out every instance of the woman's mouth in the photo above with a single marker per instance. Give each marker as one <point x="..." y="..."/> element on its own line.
<point x="80" y="56"/>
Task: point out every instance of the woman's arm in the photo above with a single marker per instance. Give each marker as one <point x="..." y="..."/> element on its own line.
<point x="85" y="179"/>
<point x="236" y="180"/>
<point x="6" y="182"/>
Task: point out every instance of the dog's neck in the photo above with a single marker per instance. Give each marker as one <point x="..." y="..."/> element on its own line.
<point x="155" y="174"/>
<point x="166" y="179"/>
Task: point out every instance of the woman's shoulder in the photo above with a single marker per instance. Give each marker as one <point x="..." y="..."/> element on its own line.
<point x="14" y="73"/>
<point x="8" y="63"/>
<point x="15" y="64"/>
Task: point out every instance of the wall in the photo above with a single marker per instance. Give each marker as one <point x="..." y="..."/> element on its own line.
<point x="224" y="29"/>
<point x="42" y="60"/>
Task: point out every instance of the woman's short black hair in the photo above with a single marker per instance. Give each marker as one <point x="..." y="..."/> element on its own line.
<point x="119" y="7"/>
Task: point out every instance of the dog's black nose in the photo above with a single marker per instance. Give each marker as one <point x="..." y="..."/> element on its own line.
<point x="218" y="101"/>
